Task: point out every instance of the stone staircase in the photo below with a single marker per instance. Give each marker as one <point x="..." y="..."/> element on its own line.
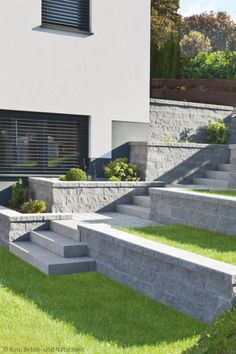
<point x="215" y="179"/>
<point x="140" y="207"/>
<point x="53" y="252"/>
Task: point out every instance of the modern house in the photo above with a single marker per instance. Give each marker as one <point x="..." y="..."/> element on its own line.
<point x="74" y="83"/>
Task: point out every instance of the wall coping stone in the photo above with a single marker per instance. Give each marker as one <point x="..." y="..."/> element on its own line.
<point x="198" y="196"/>
<point x="178" y="145"/>
<point x="146" y="246"/>
<point x="56" y="183"/>
<point x="190" y="104"/>
<point x="14" y="216"/>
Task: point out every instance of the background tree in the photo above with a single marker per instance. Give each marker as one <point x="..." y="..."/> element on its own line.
<point x="218" y="27"/>
<point x="165" y="37"/>
<point x="194" y="43"/>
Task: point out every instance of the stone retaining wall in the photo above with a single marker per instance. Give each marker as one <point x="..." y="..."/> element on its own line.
<point x="195" y="285"/>
<point x="77" y="197"/>
<point x="17" y="226"/>
<point x="176" y="206"/>
<point x="173" y="119"/>
<point x="177" y="162"/>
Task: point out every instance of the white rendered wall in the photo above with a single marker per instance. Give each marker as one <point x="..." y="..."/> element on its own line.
<point x="104" y="76"/>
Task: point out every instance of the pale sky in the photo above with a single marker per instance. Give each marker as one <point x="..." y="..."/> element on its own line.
<point x="193" y="7"/>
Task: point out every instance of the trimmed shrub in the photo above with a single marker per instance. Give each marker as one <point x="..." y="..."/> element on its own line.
<point x="74" y="174"/>
<point x="19" y="195"/>
<point x="217" y="132"/>
<point x="34" y="207"/>
<point x="121" y="170"/>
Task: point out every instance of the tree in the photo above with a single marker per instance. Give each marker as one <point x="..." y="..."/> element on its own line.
<point x="194" y="43"/>
<point x="218" y="27"/>
<point x="165" y="37"/>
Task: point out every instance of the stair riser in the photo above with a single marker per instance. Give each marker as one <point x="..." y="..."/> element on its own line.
<point x="211" y="183"/>
<point x="53" y="269"/>
<point x="136" y="213"/>
<point x="66" y="251"/>
<point x="65" y="231"/>
<point x="62" y="269"/>
<point x="144" y="202"/>
<point x="224" y="176"/>
<point x="224" y="167"/>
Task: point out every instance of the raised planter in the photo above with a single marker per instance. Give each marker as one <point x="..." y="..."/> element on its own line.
<point x="17" y="226"/>
<point x="197" y="286"/>
<point x="177" y="162"/>
<point x="77" y="197"/>
<point x="177" y="206"/>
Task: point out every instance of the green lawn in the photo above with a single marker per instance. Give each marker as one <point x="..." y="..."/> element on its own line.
<point x="87" y="311"/>
<point x="206" y="243"/>
<point x="226" y="192"/>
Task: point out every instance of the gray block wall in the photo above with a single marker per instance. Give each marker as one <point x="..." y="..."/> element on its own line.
<point x="175" y="206"/>
<point x="17" y="226"/>
<point x="77" y="197"/>
<point x="177" y="162"/>
<point x="173" y="119"/>
<point x="195" y="285"/>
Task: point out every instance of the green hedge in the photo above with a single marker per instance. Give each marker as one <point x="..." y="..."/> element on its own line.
<point x="217" y="65"/>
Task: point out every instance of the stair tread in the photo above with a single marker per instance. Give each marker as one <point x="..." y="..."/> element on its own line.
<point x="134" y="207"/>
<point x="57" y="238"/>
<point x="45" y="256"/>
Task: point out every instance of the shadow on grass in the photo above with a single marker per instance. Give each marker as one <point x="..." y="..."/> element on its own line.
<point x="97" y="306"/>
<point x="187" y="235"/>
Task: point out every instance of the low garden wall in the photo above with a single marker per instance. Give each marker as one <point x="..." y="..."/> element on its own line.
<point x="77" y="197"/>
<point x="176" y="206"/>
<point x="177" y="162"/>
<point x="180" y="120"/>
<point x="17" y="226"/>
<point x="195" y="285"/>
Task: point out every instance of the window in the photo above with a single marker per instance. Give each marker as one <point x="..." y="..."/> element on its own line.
<point x="66" y="14"/>
<point x="37" y="143"/>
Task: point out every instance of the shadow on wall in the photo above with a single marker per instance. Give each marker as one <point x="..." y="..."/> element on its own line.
<point x="193" y="167"/>
<point x="174" y="119"/>
<point x="177" y="162"/>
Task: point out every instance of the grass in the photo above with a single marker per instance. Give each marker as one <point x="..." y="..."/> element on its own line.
<point x="87" y="312"/>
<point x="203" y="242"/>
<point x="226" y="192"/>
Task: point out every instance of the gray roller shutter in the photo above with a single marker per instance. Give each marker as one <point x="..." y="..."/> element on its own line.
<point x="72" y="14"/>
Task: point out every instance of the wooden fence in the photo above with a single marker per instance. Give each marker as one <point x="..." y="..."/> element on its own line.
<point x="221" y="92"/>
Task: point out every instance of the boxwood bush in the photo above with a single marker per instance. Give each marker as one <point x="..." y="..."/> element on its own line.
<point x="74" y="174"/>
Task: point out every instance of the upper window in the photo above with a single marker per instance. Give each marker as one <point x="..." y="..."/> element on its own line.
<point x="66" y="14"/>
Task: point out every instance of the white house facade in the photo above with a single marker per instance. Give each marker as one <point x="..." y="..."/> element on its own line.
<point x="74" y="82"/>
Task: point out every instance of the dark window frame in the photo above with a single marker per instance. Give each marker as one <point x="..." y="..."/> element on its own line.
<point x="42" y="120"/>
<point x="79" y="28"/>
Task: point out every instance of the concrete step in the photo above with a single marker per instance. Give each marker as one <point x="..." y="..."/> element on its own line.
<point x="48" y="262"/>
<point x="222" y="175"/>
<point x="143" y="201"/>
<point x="59" y="244"/>
<point x="69" y="231"/>
<point x="212" y="183"/>
<point x="224" y="167"/>
<point x="134" y="210"/>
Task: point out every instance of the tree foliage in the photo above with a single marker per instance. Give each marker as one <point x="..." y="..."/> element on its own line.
<point x="165" y="51"/>
<point x="218" y="27"/>
<point x="217" y="65"/>
<point x="194" y="43"/>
